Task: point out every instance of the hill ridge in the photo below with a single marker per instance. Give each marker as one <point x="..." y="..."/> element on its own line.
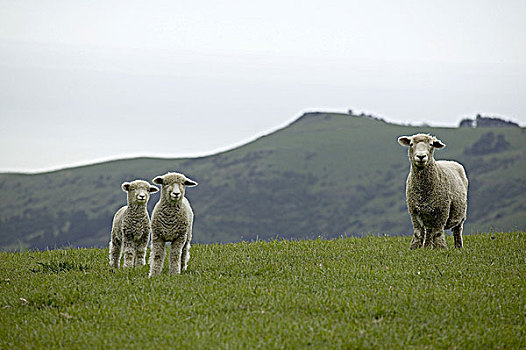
<point x="329" y="176"/>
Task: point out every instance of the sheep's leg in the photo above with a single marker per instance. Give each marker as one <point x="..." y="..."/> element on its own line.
<point x="115" y="251"/>
<point x="157" y="257"/>
<point x="418" y="235"/>
<point x="185" y="257"/>
<point x="129" y="253"/>
<point x="457" y="234"/>
<point x="175" y="256"/>
<point x="142" y="246"/>
<point x="435" y="238"/>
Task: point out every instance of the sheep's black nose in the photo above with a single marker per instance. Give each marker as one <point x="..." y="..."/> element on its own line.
<point x="420" y="156"/>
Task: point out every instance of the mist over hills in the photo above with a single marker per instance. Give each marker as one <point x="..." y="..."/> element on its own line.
<point x="326" y="174"/>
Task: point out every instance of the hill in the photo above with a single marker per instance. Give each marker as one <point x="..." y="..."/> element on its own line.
<point x="325" y="174"/>
<point x="369" y="293"/>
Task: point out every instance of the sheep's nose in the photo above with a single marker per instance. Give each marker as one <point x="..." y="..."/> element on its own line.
<point x="141" y="197"/>
<point x="421" y="156"/>
<point x="175" y="194"/>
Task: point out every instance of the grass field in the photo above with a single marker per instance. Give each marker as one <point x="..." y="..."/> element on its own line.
<point x="326" y="173"/>
<point x="367" y="292"/>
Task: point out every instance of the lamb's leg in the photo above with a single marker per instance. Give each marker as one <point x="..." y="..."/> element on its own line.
<point x="185" y="257"/>
<point x="457" y="234"/>
<point x="157" y="257"/>
<point x="175" y="256"/>
<point x="115" y="251"/>
<point x="435" y="238"/>
<point x="142" y="246"/>
<point x="418" y="235"/>
<point x="129" y="253"/>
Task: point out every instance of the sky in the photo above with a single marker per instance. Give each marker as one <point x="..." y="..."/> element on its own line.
<point x="87" y="81"/>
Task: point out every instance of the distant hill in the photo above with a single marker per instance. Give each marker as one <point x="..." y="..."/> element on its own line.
<point x="325" y="174"/>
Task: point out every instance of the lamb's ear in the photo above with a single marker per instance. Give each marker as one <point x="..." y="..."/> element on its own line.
<point x="438" y="144"/>
<point x="190" y="183"/>
<point x="404" y="140"/>
<point x="158" y="180"/>
<point x="153" y="189"/>
<point x="125" y="186"/>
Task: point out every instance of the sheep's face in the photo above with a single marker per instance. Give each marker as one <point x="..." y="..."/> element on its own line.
<point x="421" y="148"/>
<point x="174" y="186"/>
<point x="138" y="191"/>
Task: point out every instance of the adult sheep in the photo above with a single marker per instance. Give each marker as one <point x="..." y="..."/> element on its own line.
<point x="130" y="230"/>
<point x="436" y="193"/>
<point x="172" y="221"/>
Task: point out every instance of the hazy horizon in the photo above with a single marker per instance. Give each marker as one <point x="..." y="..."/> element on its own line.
<point x="85" y="82"/>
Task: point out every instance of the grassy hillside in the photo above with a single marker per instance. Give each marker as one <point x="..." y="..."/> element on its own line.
<point x="344" y="293"/>
<point x="325" y="174"/>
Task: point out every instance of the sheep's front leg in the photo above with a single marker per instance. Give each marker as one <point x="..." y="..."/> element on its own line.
<point x="157" y="257"/>
<point x="175" y="256"/>
<point x="435" y="238"/>
<point x="457" y="234"/>
<point x="142" y="246"/>
<point x="129" y="252"/>
<point x="185" y="257"/>
<point x="115" y="251"/>
<point x="418" y="234"/>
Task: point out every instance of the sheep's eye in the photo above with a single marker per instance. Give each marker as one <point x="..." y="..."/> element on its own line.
<point x="411" y="144"/>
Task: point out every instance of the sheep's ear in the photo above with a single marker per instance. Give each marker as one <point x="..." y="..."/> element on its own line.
<point x="438" y="144"/>
<point x="190" y="183"/>
<point x="153" y="189"/>
<point x="404" y="140"/>
<point x="158" y="180"/>
<point x="125" y="186"/>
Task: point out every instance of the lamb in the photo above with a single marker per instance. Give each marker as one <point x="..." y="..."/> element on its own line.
<point x="131" y="226"/>
<point x="172" y="221"/>
<point x="436" y="193"/>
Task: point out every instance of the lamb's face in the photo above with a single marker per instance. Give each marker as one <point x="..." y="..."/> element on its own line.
<point x="421" y="148"/>
<point x="138" y="191"/>
<point x="174" y="186"/>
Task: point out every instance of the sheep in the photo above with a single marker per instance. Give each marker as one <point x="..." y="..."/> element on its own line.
<point x="436" y="193"/>
<point x="131" y="226"/>
<point x="172" y="221"/>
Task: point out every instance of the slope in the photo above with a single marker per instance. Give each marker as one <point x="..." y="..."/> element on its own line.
<point x="325" y="174"/>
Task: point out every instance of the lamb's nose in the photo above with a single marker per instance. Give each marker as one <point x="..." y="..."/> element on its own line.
<point x="420" y="156"/>
<point x="175" y="194"/>
<point x="141" y="196"/>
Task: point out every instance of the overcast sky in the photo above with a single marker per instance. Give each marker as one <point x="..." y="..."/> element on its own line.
<point x="84" y="81"/>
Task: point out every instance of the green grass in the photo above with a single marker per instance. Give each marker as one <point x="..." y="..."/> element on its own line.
<point x="325" y="173"/>
<point x="371" y="292"/>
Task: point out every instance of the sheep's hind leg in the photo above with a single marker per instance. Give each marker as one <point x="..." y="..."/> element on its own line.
<point x="115" y="252"/>
<point x="435" y="238"/>
<point x="457" y="234"/>
<point x="157" y="257"/>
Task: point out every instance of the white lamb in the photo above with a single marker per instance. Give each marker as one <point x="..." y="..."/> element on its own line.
<point x="436" y="193"/>
<point x="131" y="226"/>
<point x="172" y="221"/>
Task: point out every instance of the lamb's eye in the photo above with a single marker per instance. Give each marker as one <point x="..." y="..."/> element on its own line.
<point x="411" y="144"/>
